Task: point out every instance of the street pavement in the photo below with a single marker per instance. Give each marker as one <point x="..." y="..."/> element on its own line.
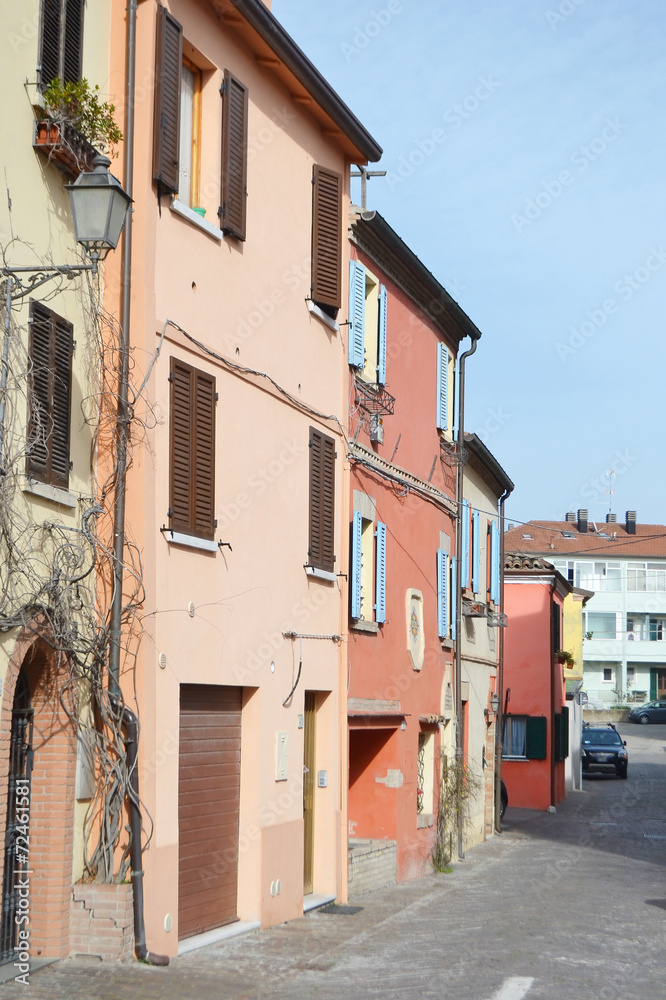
<point x="559" y="906"/>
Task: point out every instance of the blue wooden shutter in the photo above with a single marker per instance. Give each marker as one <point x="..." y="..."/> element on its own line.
<point x="442" y="387"/>
<point x="442" y="593"/>
<point x="357" y="525"/>
<point x="452" y="601"/>
<point x="494" y="563"/>
<point x="356" y="348"/>
<point x="464" y="545"/>
<point x="380" y="582"/>
<point x="381" y="340"/>
<point x="475" y="551"/>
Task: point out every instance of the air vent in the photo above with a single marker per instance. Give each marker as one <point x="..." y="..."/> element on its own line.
<point x="630" y="522"/>
<point x="570" y="516"/>
<point x="611" y="518"/>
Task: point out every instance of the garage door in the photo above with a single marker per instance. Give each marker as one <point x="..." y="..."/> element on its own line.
<point x="208" y="807"/>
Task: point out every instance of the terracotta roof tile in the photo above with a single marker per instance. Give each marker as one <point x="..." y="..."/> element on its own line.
<point x="548" y="537"/>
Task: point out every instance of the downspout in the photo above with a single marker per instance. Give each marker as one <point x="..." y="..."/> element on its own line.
<point x="457" y="685"/>
<point x="127" y="718"/>
<point x="499" y="718"/>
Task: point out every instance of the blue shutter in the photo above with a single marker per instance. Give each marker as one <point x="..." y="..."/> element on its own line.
<point x="357" y="525"/>
<point x="356" y="349"/>
<point x="381" y="341"/>
<point x="464" y="545"/>
<point x="380" y="582"/>
<point x="475" y="551"/>
<point x="494" y="563"/>
<point x="442" y="593"/>
<point x="452" y="601"/>
<point x="442" y="387"/>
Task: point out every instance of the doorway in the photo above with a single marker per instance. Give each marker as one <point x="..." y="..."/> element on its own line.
<point x="308" y="791"/>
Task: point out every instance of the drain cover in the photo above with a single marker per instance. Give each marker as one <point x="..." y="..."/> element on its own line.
<point x="338" y="910"/>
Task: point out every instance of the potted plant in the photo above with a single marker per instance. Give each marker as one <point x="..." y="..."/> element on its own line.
<point x="75" y="125"/>
<point x="563" y="656"/>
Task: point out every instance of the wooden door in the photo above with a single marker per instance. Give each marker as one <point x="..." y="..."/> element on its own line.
<point x="308" y="791"/>
<point x="208" y="807"/>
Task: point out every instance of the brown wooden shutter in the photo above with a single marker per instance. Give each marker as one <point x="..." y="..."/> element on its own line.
<point x="73" y="41"/>
<point x="49" y="50"/>
<point x="326" y="237"/>
<point x="192" y="450"/>
<point x="50" y="348"/>
<point x="321" y="552"/>
<point x="234" y="156"/>
<point x="166" y="126"/>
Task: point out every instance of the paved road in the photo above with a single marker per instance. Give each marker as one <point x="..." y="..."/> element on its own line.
<point x="570" y="906"/>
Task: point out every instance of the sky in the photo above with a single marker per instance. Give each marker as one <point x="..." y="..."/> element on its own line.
<point x="524" y="143"/>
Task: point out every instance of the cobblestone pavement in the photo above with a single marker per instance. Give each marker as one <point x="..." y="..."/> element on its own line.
<point x="560" y="906"/>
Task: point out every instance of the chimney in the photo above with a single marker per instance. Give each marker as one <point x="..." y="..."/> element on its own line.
<point x="630" y="522"/>
<point x="611" y="518"/>
<point x="582" y="522"/>
<point x="570" y="516"/>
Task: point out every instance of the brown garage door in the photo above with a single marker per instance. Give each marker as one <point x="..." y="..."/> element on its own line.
<point x="208" y="807"/>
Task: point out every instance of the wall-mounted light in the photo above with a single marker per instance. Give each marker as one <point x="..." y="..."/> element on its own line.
<point x="495" y="702"/>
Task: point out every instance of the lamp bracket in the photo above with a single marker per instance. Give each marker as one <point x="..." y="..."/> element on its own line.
<point x="40" y="275"/>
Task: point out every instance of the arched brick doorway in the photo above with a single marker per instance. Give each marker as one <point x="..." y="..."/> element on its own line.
<point x="46" y="674"/>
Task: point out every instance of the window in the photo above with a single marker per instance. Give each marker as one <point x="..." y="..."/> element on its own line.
<point x="321" y="551"/>
<point x="50" y="358"/>
<point x="657" y="629"/>
<point x="631" y="676"/>
<point x="177" y="129"/>
<point x="60" y="41"/>
<point x="192" y="451"/>
<point x="326" y="284"/>
<point x="598" y="576"/>
<point x="607" y="675"/>
<point x="189" y="156"/>
<point x="425" y="772"/>
<point x="445" y="611"/>
<point x="601" y="624"/>
<point x="367" y="324"/>
<point x="561" y="729"/>
<point x="524" y="736"/>
<point x="368" y="569"/>
<point x="646" y="577"/>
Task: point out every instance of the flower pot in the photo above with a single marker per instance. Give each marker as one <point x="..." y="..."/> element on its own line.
<point x="63" y="146"/>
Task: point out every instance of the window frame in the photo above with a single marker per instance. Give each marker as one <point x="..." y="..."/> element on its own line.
<point x="194" y="154"/>
<point x="368" y="569"/>
<point x="66" y="53"/>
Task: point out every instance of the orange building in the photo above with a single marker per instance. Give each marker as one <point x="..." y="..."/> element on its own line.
<point x="536" y="717"/>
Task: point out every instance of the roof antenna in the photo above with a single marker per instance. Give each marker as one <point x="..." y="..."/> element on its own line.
<point x="364" y="173"/>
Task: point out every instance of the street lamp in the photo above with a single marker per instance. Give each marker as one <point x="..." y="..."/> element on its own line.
<point x="495" y="702"/>
<point x="99" y="206"/>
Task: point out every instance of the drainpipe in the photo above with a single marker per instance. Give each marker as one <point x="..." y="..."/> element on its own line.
<point x="123" y="415"/>
<point x="499" y="718"/>
<point x="127" y="719"/>
<point x="457" y="686"/>
<point x="130" y="724"/>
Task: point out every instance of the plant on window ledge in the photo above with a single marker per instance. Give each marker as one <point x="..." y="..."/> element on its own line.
<point x="564" y="656"/>
<point x="76" y="125"/>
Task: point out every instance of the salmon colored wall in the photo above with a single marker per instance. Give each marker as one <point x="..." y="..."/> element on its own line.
<point x="529" y="664"/>
<point x="372" y="806"/>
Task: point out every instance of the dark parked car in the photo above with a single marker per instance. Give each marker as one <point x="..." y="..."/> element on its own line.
<point x="604" y="750"/>
<point x="653" y="711"/>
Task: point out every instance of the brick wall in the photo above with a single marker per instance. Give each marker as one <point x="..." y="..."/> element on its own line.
<point x="102" y="921"/>
<point x="372" y="864"/>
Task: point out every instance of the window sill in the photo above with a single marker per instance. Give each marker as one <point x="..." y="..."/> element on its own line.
<point x="514" y="758"/>
<point x="180" y="208"/>
<point x="424" y="820"/>
<point x="320" y="574"/>
<point x="62" y="497"/>
<point x="320" y="314"/>
<point x="447" y="643"/>
<point x="359" y="626"/>
<point x="190" y="541"/>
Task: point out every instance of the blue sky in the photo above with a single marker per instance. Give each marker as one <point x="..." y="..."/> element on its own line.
<point x="525" y="143"/>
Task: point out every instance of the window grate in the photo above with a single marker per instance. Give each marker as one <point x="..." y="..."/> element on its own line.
<point x="420" y="773"/>
<point x="374" y="398"/>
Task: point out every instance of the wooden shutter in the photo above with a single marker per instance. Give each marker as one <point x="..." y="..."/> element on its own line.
<point x="166" y="125"/>
<point x="355" y="582"/>
<point x="557" y="640"/>
<point x="442" y="387"/>
<point x="535" y="737"/>
<point x="49" y="42"/>
<point x="442" y="593"/>
<point x="380" y="570"/>
<point x="475" y="551"/>
<point x="494" y="563"/>
<point x="50" y="347"/>
<point x="381" y="336"/>
<point x="453" y="599"/>
<point x="326" y="237"/>
<point x="464" y="544"/>
<point x="192" y="450"/>
<point x="234" y="156"/>
<point x="356" y="345"/>
<point x="561" y="729"/>
<point x="321" y="551"/>
<point x="73" y="41"/>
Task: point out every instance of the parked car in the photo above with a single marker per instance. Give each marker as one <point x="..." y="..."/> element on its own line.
<point x="652" y="711"/>
<point x="587" y="702"/>
<point x="603" y="749"/>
